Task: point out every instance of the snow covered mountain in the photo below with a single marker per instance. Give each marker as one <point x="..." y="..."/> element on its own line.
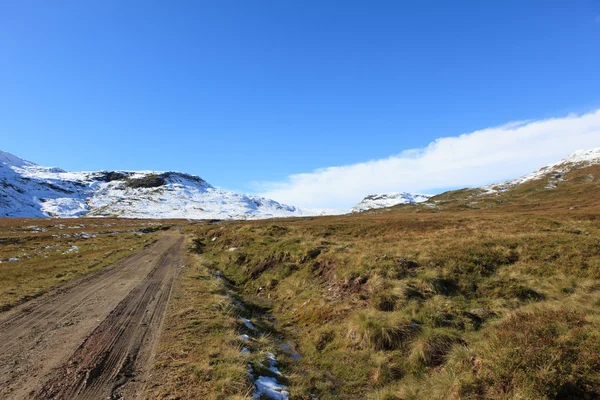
<point x="30" y="190"/>
<point x="388" y="200"/>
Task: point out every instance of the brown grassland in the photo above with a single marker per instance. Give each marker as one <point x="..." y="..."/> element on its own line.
<point x="37" y="255"/>
<point x="401" y="306"/>
<point x="488" y="297"/>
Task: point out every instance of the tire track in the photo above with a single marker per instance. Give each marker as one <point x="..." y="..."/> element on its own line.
<point x="37" y="338"/>
<point x="109" y="360"/>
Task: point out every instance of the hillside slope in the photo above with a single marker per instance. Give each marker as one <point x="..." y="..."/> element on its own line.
<point x="571" y="183"/>
<point x="30" y="190"/>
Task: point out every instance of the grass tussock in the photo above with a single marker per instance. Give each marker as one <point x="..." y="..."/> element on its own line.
<point x="380" y="331"/>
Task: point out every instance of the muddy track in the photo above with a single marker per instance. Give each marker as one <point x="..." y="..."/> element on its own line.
<point x="94" y="338"/>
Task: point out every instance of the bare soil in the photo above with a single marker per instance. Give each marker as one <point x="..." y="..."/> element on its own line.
<point x="93" y="338"/>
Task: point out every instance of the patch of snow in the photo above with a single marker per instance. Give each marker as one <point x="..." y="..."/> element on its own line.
<point x="34" y="228"/>
<point x="582" y="156"/>
<point x="248" y="324"/>
<point x="273" y="363"/>
<point x="382" y="200"/>
<point x="269" y="387"/>
<point x="64" y="207"/>
<point x="244" y="337"/>
<point x="84" y="235"/>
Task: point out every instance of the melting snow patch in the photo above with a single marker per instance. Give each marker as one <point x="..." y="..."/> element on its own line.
<point x="269" y="387"/>
<point x="84" y="235"/>
<point x="248" y="324"/>
<point x="64" y="207"/>
<point x="72" y="249"/>
<point x="13" y="259"/>
<point x="245" y="337"/>
<point x="273" y="364"/>
<point x="35" y="228"/>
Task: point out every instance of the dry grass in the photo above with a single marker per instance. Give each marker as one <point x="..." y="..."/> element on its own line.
<point x="199" y="352"/>
<point x="39" y="254"/>
<point x="404" y="305"/>
<point x="199" y="355"/>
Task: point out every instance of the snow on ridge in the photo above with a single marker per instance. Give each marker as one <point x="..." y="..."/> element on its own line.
<point x="12" y="160"/>
<point x="382" y="200"/>
<point x="581" y="156"/>
<point x="553" y="171"/>
<point x="559" y="168"/>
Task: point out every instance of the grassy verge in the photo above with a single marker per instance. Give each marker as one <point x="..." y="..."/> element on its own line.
<point x="213" y="345"/>
<point x="37" y="255"/>
<point x="199" y="356"/>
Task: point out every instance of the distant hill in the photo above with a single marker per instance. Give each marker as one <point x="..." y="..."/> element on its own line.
<point x="31" y="190"/>
<point x="572" y="182"/>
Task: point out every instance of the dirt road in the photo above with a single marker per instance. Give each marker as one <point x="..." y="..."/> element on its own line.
<point x="94" y="338"/>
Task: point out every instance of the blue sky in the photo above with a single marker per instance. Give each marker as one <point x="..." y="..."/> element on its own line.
<point x="241" y="92"/>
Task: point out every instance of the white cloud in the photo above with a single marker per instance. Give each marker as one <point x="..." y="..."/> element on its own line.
<point x="471" y="159"/>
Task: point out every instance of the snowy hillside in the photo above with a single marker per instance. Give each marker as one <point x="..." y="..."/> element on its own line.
<point x="30" y="190"/>
<point x="388" y="200"/>
<point x="549" y="176"/>
<point x="553" y="172"/>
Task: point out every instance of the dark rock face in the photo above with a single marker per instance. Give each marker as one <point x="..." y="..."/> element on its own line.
<point x="149" y="181"/>
<point x="109" y="176"/>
